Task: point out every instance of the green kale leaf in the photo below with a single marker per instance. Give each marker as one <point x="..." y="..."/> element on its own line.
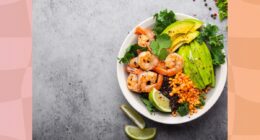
<point x="222" y="9"/>
<point x="215" y="41"/>
<point x="163" y="19"/>
<point x="202" y="98"/>
<point x="148" y="104"/>
<point x="183" y="109"/>
<point x="131" y="52"/>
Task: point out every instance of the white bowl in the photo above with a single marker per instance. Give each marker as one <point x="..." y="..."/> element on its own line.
<point x="134" y="99"/>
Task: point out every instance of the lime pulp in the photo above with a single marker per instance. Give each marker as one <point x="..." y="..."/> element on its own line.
<point x="136" y="133"/>
<point x="161" y="102"/>
<point x="133" y="115"/>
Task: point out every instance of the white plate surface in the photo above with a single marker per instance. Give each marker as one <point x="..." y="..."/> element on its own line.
<point x="134" y="99"/>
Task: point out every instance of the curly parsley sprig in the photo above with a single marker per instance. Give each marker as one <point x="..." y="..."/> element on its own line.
<point x="222" y="9"/>
<point x="130" y="53"/>
<point x="163" y="19"/>
<point x="215" y="41"/>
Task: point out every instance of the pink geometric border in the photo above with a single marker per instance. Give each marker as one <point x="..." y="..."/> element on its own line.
<point x="15" y="70"/>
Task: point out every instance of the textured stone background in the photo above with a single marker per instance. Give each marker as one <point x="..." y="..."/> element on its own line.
<point x="75" y="90"/>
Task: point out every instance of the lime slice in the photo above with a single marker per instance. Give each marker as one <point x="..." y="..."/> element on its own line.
<point x="133" y="115"/>
<point x="136" y="133"/>
<point x="161" y="102"/>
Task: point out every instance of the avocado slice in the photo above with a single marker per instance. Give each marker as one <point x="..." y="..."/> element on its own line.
<point x="190" y="68"/>
<point x="179" y="27"/>
<point x="197" y="23"/>
<point x="209" y="63"/>
<point x="201" y="61"/>
<point x="182" y="39"/>
<point x="198" y="64"/>
<point x="182" y="27"/>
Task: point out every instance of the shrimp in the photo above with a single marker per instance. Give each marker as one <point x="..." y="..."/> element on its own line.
<point x="132" y="70"/>
<point x="143" y="41"/>
<point x="133" y="83"/>
<point x="149" y="80"/>
<point x="133" y="66"/>
<point x="147" y="61"/>
<point x="133" y="63"/>
<point x="145" y="37"/>
<point x="171" y="66"/>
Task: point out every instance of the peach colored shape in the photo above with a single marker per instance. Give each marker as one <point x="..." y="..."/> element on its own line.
<point x="245" y="83"/>
<point x="252" y="1"/>
<point x="27" y="83"/>
<point x="11" y="119"/>
<point x="245" y="137"/>
<point x="247" y="116"/>
<point x="242" y="50"/>
<point x="231" y="84"/>
<point x="244" y="68"/>
<point x="15" y="53"/>
<point x="243" y="19"/>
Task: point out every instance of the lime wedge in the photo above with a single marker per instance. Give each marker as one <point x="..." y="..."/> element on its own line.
<point x="136" y="133"/>
<point x="161" y="102"/>
<point x="133" y="115"/>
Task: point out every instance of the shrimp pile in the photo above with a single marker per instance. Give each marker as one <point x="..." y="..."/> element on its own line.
<point x="141" y="79"/>
<point x="146" y="71"/>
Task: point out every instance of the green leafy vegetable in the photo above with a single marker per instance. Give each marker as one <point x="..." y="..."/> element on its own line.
<point x="183" y="109"/>
<point x="162" y="20"/>
<point x="222" y="9"/>
<point x="148" y="104"/>
<point x="131" y="52"/>
<point x="202" y="98"/>
<point x="215" y="41"/>
<point x="160" y="45"/>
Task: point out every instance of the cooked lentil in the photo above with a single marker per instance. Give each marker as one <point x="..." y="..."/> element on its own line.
<point x="184" y="88"/>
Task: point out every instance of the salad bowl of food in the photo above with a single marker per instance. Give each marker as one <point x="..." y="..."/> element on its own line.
<point x="171" y="67"/>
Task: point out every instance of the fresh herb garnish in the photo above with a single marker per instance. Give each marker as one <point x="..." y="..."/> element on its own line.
<point x="183" y="109"/>
<point x="215" y="41"/>
<point x="222" y="9"/>
<point x="202" y="98"/>
<point x="131" y="52"/>
<point x="160" y="45"/>
<point x="162" y="20"/>
<point x="148" y="104"/>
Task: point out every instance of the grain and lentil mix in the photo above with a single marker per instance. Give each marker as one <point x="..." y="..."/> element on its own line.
<point x="183" y="87"/>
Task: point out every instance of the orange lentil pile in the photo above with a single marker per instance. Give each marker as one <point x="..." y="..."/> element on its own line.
<point x="184" y="87"/>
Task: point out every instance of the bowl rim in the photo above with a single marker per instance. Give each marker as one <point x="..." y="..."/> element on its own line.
<point x="206" y="108"/>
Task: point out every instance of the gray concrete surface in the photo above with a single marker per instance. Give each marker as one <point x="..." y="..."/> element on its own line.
<point x="76" y="95"/>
